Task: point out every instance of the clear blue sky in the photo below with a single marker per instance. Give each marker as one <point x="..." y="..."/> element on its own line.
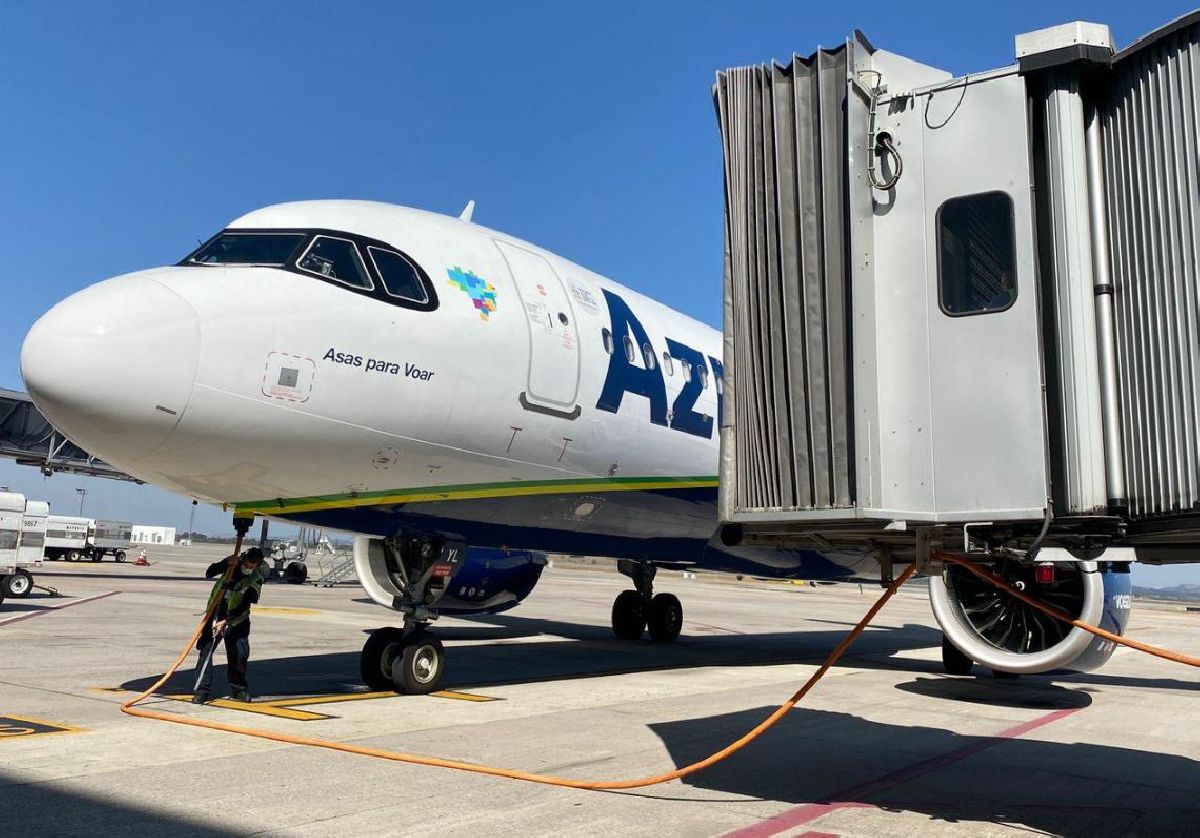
<point x="131" y="130"/>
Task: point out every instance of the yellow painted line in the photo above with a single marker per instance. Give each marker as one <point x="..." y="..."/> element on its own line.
<point x="285" y="611"/>
<point x="14" y="727"/>
<point x="460" y="696"/>
<point x="284" y="708"/>
<point x="265" y="708"/>
<point x="334" y="699"/>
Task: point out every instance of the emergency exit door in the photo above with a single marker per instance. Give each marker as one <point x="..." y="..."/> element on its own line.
<point x="552" y="383"/>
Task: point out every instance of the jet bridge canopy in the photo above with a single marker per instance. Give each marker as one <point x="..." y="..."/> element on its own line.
<point x="961" y="300"/>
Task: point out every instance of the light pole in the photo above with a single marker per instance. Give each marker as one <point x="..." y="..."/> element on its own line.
<point x="82" y="494"/>
<point x="191" y="523"/>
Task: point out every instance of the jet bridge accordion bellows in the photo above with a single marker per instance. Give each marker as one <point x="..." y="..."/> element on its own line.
<point x="788" y="392"/>
<point x="1151" y="140"/>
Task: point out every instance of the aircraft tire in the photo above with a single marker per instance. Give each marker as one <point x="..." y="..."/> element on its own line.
<point x="418" y="669"/>
<point x="665" y="620"/>
<point x="295" y="573"/>
<point x="19" y="584"/>
<point x="954" y="661"/>
<point x="628" y="615"/>
<point x="381" y="648"/>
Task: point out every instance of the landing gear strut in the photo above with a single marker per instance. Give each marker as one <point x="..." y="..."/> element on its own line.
<point x="411" y="659"/>
<point x="635" y="611"/>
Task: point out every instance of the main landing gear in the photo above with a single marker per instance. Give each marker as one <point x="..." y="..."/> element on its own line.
<point x="411" y="659"/>
<point x="635" y="611"/>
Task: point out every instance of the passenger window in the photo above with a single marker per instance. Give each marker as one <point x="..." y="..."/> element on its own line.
<point x="400" y="277"/>
<point x="703" y="377"/>
<point x="630" y="352"/>
<point x="976" y="254"/>
<point x="648" y="356"/>
<point x="668" y="364"/>
<point x="606" y="335"/>
<point x="686" y="366"/>
<point x="337" y="259"/>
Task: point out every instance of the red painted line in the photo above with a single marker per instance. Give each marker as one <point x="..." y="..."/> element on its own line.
<point x="811" y="834"/>
<point x="50" y="609"/>
<point x="846" y="799"/>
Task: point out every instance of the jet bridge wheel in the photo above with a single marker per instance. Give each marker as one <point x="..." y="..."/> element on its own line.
<point x="954" y="661"/>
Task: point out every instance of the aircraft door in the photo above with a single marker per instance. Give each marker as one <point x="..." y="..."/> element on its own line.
<point x="552" y="384"/>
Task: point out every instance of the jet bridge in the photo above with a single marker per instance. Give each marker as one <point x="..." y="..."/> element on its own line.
<point x="28" y="437"/>
<point x="964" y="311"/>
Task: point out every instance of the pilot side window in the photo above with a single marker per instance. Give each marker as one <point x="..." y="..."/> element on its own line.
<point x="234" y="248"/>
<point x="606" y="336"/>
<point x="976" y="254"/>
<point x="336" y="259"/>
<point x="400" y="278"/>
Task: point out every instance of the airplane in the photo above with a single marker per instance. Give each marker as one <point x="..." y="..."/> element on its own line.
<point x="461" y="400"/>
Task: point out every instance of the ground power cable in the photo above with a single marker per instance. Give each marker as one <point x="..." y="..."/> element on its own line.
<point x="615" y="785"/>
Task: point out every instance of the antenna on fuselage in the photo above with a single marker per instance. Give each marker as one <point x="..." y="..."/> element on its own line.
<point x="468" y="211"/>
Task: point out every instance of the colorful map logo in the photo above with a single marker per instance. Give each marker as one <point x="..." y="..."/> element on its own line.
<point x="481" y="292"/>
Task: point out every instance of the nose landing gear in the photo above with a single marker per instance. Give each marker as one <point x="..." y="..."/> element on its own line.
<point x="412" y="659"/>
<point x="635" y="611"/>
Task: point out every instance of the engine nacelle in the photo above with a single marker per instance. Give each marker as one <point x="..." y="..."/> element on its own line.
<point x="483" y="581"/>
<point x="1002" y="633"/>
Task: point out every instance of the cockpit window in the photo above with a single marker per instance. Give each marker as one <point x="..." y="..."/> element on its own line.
<point x="399" y="277"/>
<point x="337" y="259"/>
<point x="233" y="248"/>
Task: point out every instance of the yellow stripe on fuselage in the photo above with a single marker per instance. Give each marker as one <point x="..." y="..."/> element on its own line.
<point x="485" y="490"/>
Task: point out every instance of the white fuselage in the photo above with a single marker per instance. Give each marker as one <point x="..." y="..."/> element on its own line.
<point x="271" y="389"/>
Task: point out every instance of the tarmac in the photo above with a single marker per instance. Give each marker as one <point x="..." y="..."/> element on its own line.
<point x="885" y="745"/>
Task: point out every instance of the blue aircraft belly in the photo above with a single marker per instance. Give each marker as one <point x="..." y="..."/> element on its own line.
<point x="667" y="525"/>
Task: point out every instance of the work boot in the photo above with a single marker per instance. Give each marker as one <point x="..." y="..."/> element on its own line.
<point x="241" y="694"/>
<point x="200" y="698"/>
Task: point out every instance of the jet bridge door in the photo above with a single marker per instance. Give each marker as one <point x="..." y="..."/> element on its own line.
<point x="970" y="200"/>
<point x="553" y="377"/>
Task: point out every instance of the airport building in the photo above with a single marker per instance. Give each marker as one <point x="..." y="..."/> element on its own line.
<point x="146" y="534"/>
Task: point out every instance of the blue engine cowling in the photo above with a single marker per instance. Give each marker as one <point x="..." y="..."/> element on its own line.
<point x="489" y="580"/>
<point x="482" y="580"/>
<point x="1118" y="602"/>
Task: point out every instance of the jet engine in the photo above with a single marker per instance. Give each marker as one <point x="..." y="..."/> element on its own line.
<point x="995" y="629"/>
<point x="454" y="580"/>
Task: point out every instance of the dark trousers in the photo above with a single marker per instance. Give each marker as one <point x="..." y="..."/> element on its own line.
<point x="237" y="656"/>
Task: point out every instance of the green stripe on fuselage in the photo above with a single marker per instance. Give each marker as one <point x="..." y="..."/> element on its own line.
<point x="512" y="488"/>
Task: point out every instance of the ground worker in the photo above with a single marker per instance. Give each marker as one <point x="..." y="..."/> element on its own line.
<point x="231" y="620"/>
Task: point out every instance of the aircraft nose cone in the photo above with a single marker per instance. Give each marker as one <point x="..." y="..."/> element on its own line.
<point x="112" y="367"/>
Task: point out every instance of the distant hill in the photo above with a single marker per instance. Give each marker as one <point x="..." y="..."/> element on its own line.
<point x="1185" y="593"/>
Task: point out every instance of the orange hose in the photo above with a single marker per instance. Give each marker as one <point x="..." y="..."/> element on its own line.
<point x="511" y="773"/>
<point x="610" y="785"/>
<point x="1059" y="614"/>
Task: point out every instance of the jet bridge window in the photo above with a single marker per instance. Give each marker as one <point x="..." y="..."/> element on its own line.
<point x="976" y="254"/>
<point x="336" y="259"/>
<point x="234" y="248"/>
<point x="400" y="278"/>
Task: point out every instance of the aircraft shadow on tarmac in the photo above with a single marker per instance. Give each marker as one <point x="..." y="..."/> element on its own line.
<point x="582" y="650"/>
<point x="1057" y="788"/>
<point x="576" y="651"/>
